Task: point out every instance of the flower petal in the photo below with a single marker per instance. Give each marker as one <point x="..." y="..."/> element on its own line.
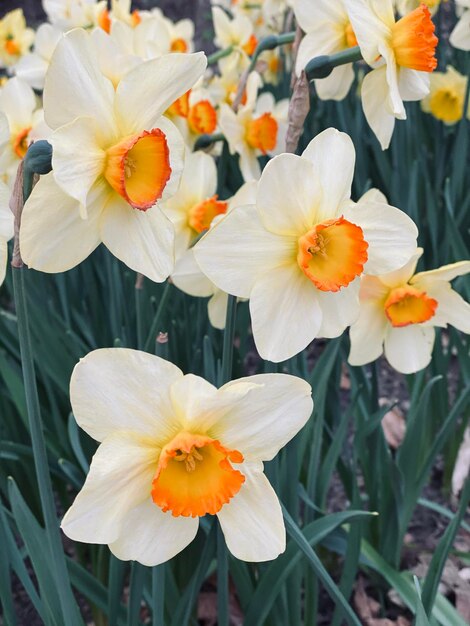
<point x="115" y="389"/>
<point x="339" y="310"/>
<point x="390" y="233"/>
<point x="189" y="277"/>
<point x="146" y="92"/>
<point x="217" y="309"/>
<point x="374" y="94"/>
<point x="409" y="349"/>
<point x="460" y="36"/>
<point x="337" y="85"/>
<point x="446" y="272"/>
<point x="452" y="308"/>
<point x="333" y="156"/>
<point x="75" y="87"/>
<point x="53" y="236"/>
<point x="119" y="479"/>
<point x="143" y="240"/>
<point x="152" y="537"/>
<point x="191" y="396"/>
<point x="77" y="159"/>
<point x="403" y="274"/>
<point x="265" y="416"/>
<point x="238" y="249"/>
<point x="17" y="102"/>
<point x="252" y="521"/>
<point x="288" y="193"/>
<point x="285" y="313"/>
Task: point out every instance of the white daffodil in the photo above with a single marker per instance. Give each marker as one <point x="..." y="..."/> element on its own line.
<point x="67" y="14"/>
<point x="194" y="114"/>
<point x="299" y="252"/>
<point x="147" y="40"/>
<point x="25" y="123"/>
<point x="236" y="33"/>
<point x="406" y="6"/>
<point x="32" y="67"/>
<point x="460" y="36"/>
<point x="327" y="31"/>
<point x="399" y="311"/>
<point x="114" y="157"/>
<point x="187" y="275"/>
<point x="447" y="96"/>
<point x="173" y="448"/>
<point x="6" y="228"/>
<point x="180" y="34"/>
<point x="402" y="54"/>
<point x="15" y="38"/>
<point x="258" y="128"/>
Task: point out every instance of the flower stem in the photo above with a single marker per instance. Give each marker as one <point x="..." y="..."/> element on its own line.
<point x="322" y="66"/>
<point x="220" y="54"/>
<point x="151" y="338"/>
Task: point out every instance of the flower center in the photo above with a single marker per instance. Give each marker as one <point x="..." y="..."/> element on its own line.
<point x="195" y="476"/>
<point x="138" y="168"/>
<point x="332" y="254"/>
<point x="414" y="41"/>
<point x="202" y="118"/>
<point x="11" y="46"/>
<point x="447" y="105"/>
<point x="179" y="45"/>
<point x="250" y="46"/>
<point x="261" y="133"/>
<point x="201" y="215"/>
<point x="180" y="107"/>
<point x="20" y="142"/>
<point x="350" y="40"/>
<point x="407" y="305"/>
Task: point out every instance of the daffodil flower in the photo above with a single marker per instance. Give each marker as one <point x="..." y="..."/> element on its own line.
<point x="173" y="448"/>
<point x="115" y="156"/>
<point x="399" y="311"/>
<point x="180" y="34"/>
<point x="32" y="67"/>
<point x="460" y="36"/>
<point x="327" y="31"/>
<point x="447" y="96"/>
<point x="6" y="228"/>
<point x="299" y="252"/>
<point x="402" y="54"/>
<point x="236" y="33"/>
<point x="258" y="128"/>
<point x="15" y="38"/>
<point x="67" y="14"/>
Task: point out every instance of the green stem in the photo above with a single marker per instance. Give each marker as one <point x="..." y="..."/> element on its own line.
<point x="322" y="66"/>
<point x="229" y="333"/>
<point x="58" y="563"/>
<point x="270" y="43"/>
<point x="158" y="595"/>
<point x="151" y="338"/>
<point x="204" y="141"/>
<point x="220" y="54"/>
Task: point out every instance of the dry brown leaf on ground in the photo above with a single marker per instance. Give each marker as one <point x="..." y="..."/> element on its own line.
<point x="207" y="606"/>
<point x="368" y="609"/>
<point x="394" y="425"/>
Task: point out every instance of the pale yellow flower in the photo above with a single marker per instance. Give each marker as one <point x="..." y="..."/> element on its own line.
<point x="15" y="38"/>
<point x="447" y="96"/>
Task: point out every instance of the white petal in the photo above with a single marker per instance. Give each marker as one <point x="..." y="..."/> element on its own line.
<point x="143" y="240"/>
<point x="285" y="313"/>
<point x="192" y="397"/>
<point x="6" y="216"/>
<point x="119" y="479"/>
<point x="249" y="164"/>
<point x="252" y="521"/>
<point x="370" y="26"/>
<point x="189" y="277"/>
<point x="339" y="310"/>
<point x="77" y="159"/>
<point x="53" y="236"/>
<point x="390" y="233"/>
<point x="319" y="14"/>
<point x="116" y="389"/>
<point x="238" y="249"/>
<point x="288" y="193"/>
<point x="75" y="87"/>
<point x="460" y="36"/>
<point x="374" y="94"/>
<point x="446" y="272"/>
<point x="333" y="156"/>
<point x="217" y="309"/>
<point x="337" y="85"/>
<point x="32" y="70"/>
<point x="3" y="259"/>
<point x="147" y="91"/>
<point x="413" y="85"/>
<point x="404" y="273"/>
<point x="452" y="308"/>
<point x="152" y="537"/>
<point x="265" y="416"/>
<point x="409" y="349"/>
<point x="4" y="131"/>
<point x="176" y="148"/>
<point x="373" y="195"/>
<point x="327" y="38"/>
<point x="17" y="101"/>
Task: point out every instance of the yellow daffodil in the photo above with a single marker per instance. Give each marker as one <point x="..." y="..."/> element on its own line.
<point x="173" y="448"/>
<point x="114" y="157"/>
<point x="6" y="228"/>
<point x="402" y="54"/>
<point x="15" y="38"/>
<point x="399" y="311"/>
<point x="327" y="31"/>
<point x="460" y="36"/>
<point x="25" y="123"/>
<point x="447" y="96"/>
<point x="298" y="253"/>
<point x="258" y="128"/>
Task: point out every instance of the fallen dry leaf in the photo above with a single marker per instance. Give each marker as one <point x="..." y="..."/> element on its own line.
<point x="394" y="425"/>
<point x="368" y="609"/>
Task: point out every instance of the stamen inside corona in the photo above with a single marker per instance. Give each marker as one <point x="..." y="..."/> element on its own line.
<point x="20" y="142"/>
<point x="407" y="305"/>
<point x="414" y="41"/>
<point x="138" y="168"/>
<point x="332" y="254"/>
<point x="195" y="477"/>
<point x="201" y="215"/>
<point x="11" y="46"/>
<point x="179" y="45"/>
<point x="261" y="133"/>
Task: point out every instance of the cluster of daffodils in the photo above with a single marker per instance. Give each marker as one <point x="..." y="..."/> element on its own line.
<point x="126" y="104"/>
